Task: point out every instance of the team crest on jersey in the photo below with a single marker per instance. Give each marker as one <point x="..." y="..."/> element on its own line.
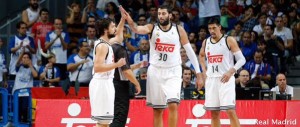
<point x="214" y="58"/>
<point x="157" y="34"/>
<point x="163" y="47"/>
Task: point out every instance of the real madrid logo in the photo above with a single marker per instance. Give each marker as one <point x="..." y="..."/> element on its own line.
<point x="207" y="47"/>
<point x="157" y="34"/>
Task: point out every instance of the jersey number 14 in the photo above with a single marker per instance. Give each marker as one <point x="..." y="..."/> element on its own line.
<point x="215" y="68"/>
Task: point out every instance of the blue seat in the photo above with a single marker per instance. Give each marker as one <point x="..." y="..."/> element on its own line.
<point x="16" y="121"/>
<point x="4" y="99"/>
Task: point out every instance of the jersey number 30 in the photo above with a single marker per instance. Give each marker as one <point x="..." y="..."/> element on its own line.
<point x="163" y="57"/>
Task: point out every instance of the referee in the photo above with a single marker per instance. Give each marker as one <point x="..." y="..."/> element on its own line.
<point x="121" y="82"/>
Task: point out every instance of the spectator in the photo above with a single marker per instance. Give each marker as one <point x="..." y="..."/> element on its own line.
<point x="152" y="13"/>
<point x="248" y="19"/>
<point x="17" y="43"/>
<point x="247" y="46"/>
<point x="3" y="70"/>
<point x="57" y="42"/>
<point x="75" y="25"/>
<point x="147" y="5"/>
<point x="225" y="15"/>
<point x="206" y="14"/>
<point x="102" y="3"/>
<point x="135" y="43"/>
<point x="237" y="31"/>
<point x="187" y="76"/>
<point x="282" y="87"/>
<point x="292" y="15"/>
<point x="89" y="11"/>
<point x="111" y="10"/>
<point x="202" y="34"/>
<point x="235" y="7"/>
<point x="91" y="21"/>
<point x="256" y="5"/>
<point x="24" y="79"/>
<point x="273" y="11"/>
<point x="140" y="55"/>
<point x="49" y="74"/>
<point x="243" y="79"/>
<point x="286" y="35"/>
<point x="274" y="47"/>
<point x="257" y="68"/>
<point x="262" y="19"/>
<point x="176" y="19"/>
<point x="39" y="31"/>
<point x="192" y="38"/>
<point x="90" y="38"/>
<point x="31" y="14"/>
<point x="81" y="65"/>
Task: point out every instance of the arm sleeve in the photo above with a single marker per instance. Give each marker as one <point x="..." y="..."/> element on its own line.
<point x="48" y="37"/>
<point x="31" y="43"/>
<point x="240" y="60"/>
<point x="192" y="56"/>
<point x="57" y="74"/>
<point x="71" y="59"/>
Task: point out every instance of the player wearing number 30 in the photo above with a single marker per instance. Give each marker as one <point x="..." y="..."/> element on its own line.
<point x="219" y="50"/>
<point x="164" y="73"/>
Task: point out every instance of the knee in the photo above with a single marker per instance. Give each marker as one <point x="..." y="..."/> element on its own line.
<point x="215" y="114"/>
<point x="230" y="113"/>
<point x="173" y="106"/>
<point x="157" y="111"/>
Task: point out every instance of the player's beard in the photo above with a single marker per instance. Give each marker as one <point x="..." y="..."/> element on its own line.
<point x="111" y="36"/>
<point x="164" y="23"/>
<point x="34" y="6"/>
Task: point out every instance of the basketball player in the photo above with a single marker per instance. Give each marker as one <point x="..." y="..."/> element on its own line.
<point x="101" y="90"/>
<point x="164" y="75"/>
<point x="219" y="50"/>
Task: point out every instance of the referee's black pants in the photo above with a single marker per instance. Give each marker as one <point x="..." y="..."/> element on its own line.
<point x="121" y="105"/>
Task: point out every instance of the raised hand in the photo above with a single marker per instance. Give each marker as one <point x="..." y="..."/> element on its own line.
<point x="125" y="14"/>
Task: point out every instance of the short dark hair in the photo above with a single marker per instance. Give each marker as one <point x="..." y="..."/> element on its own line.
<point x="18" y="26"/>
<point x="43" y="10"/>
<point x="27" y="53"/>
<point x="102" y="25"/>
<point x="261" y="14"/>
<point x="271" y="26"/>
<point x="259" y="51"/>
<point x="89" y="26"/>
<point x="214" y="21"/>
<point x="166" y="7"/>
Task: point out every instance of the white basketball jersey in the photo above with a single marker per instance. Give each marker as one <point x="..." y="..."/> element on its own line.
<point x="32" y="15"/>
<point x="165" y="47"/>
<point x="219" y="57"/>
<point x="109" y="59"/>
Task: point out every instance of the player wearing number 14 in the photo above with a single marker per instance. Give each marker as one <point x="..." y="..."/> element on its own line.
<point x="219" y="50"/>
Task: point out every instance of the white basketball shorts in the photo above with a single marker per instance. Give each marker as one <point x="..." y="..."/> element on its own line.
<point x="218" y="95"/>
<point x="102" y="97"/>
<point x="163" y="85"/>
